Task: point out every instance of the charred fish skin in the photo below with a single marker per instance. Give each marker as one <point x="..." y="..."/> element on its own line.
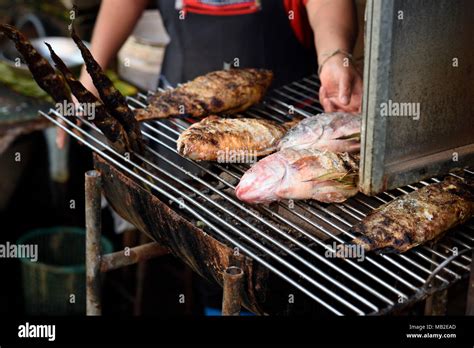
<point x="112" y="130"/>
<point x="113" y="100"/>
<point x="43" y="73"/>
<point x="418" y="217"/>
<point x="337" y="132"/>
<point x="214" y="136"/>
<point x="219" y="92"/>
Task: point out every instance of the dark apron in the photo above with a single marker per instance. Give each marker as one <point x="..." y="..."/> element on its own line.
<point x="203" y="43"/>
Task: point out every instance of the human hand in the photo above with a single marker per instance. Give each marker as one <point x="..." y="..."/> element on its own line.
<point x="341" y="85"/>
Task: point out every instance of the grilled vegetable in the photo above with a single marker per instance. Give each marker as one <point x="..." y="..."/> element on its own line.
<point x="222" y="139"/>
<point x="338" y="132"/>
<point x="113" y="100"/>
<point x="43" y="73"/>
<point x="111" y="128"/>
<point x="300" y="174"/>
<point x="224" y="91"/>
<point x="418" y="217"/>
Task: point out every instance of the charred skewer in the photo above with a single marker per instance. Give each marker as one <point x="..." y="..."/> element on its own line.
<point x="43" y="73"/>
<point x="113" y="100"/>
<point x="111" y="128"/>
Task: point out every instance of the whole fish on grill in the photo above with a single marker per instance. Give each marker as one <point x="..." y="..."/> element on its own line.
<point x="114" y="101"/>
<point x="338" y="132"/>
<point x="418" y="217"/>
<point x="224" y="91"/>
<point x="43" y="73"/>
<point x="301" y="174"/>
<point x="221" y="139"/>
<point x="111" y="128"/>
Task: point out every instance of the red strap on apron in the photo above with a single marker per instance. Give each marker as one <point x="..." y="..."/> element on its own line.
<point x="221" y="7"/>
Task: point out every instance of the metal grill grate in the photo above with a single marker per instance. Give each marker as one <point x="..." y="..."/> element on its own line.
<point x="291" y="241"/>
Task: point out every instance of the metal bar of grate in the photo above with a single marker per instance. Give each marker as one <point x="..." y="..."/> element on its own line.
<point x="177" y="200"/>
<point x="342" y="286"/>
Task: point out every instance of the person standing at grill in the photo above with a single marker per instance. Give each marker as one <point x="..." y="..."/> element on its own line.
<point x="280" y="35"/>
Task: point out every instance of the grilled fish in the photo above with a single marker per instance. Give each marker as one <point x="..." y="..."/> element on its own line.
<point x="338" y="132"/>
<point x="111" y="128"/>
<point x="224" y="91"/>
<point x="417" y="217"/>
<point x="215" y="138"/>
<point x="43" y="73"/>
<point x="113" y="100"/>
<point x="300" y="174"/>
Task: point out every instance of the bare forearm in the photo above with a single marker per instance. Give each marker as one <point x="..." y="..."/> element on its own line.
<point x="114" y="24"/>
<point x="334" y="23"/>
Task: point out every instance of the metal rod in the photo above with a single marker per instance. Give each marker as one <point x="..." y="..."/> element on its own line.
<point x="184" y="205"/>
<point x="304" y="95"/>
<point x="386" y="257"/>
<point x="140" y="277"/>
<point x="272" y="240"/>
<point x="436" y="304"/>
<point x="132" y="256"/>
<point x="233" y="285"/>
<point x="274" y="214"/>
<point x="307" y="104"/>
<point x="282" y="233"/>
<point x="275" y="109"/>
<point x="470" y="290"/>
<point x="93" y="247"/>
<point x="350" y="235"/>
<point x="411" y="261"/>
<point x="220" y="167"/>
<point x="367" y="257"/>
<point x="306" y="88"/>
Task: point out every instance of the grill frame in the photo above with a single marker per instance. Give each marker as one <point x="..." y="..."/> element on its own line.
<point x="380" y="284"/>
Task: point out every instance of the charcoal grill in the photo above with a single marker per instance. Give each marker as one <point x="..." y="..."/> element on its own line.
<point x="282" y="248"/>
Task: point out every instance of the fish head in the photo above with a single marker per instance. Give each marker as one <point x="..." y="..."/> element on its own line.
<point x="302" y="136"/>
<point x="260" y="183"/>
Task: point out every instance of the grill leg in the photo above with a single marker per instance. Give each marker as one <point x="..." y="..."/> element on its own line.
<point x="140" y="279"/>
<point x="470" y="290"/>
<point x="436" y="304"/>
<point x="233" y="281"/>
<point x="93" y="236"/>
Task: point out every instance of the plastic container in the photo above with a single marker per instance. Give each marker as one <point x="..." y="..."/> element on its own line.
<point x="55" y="283"/>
